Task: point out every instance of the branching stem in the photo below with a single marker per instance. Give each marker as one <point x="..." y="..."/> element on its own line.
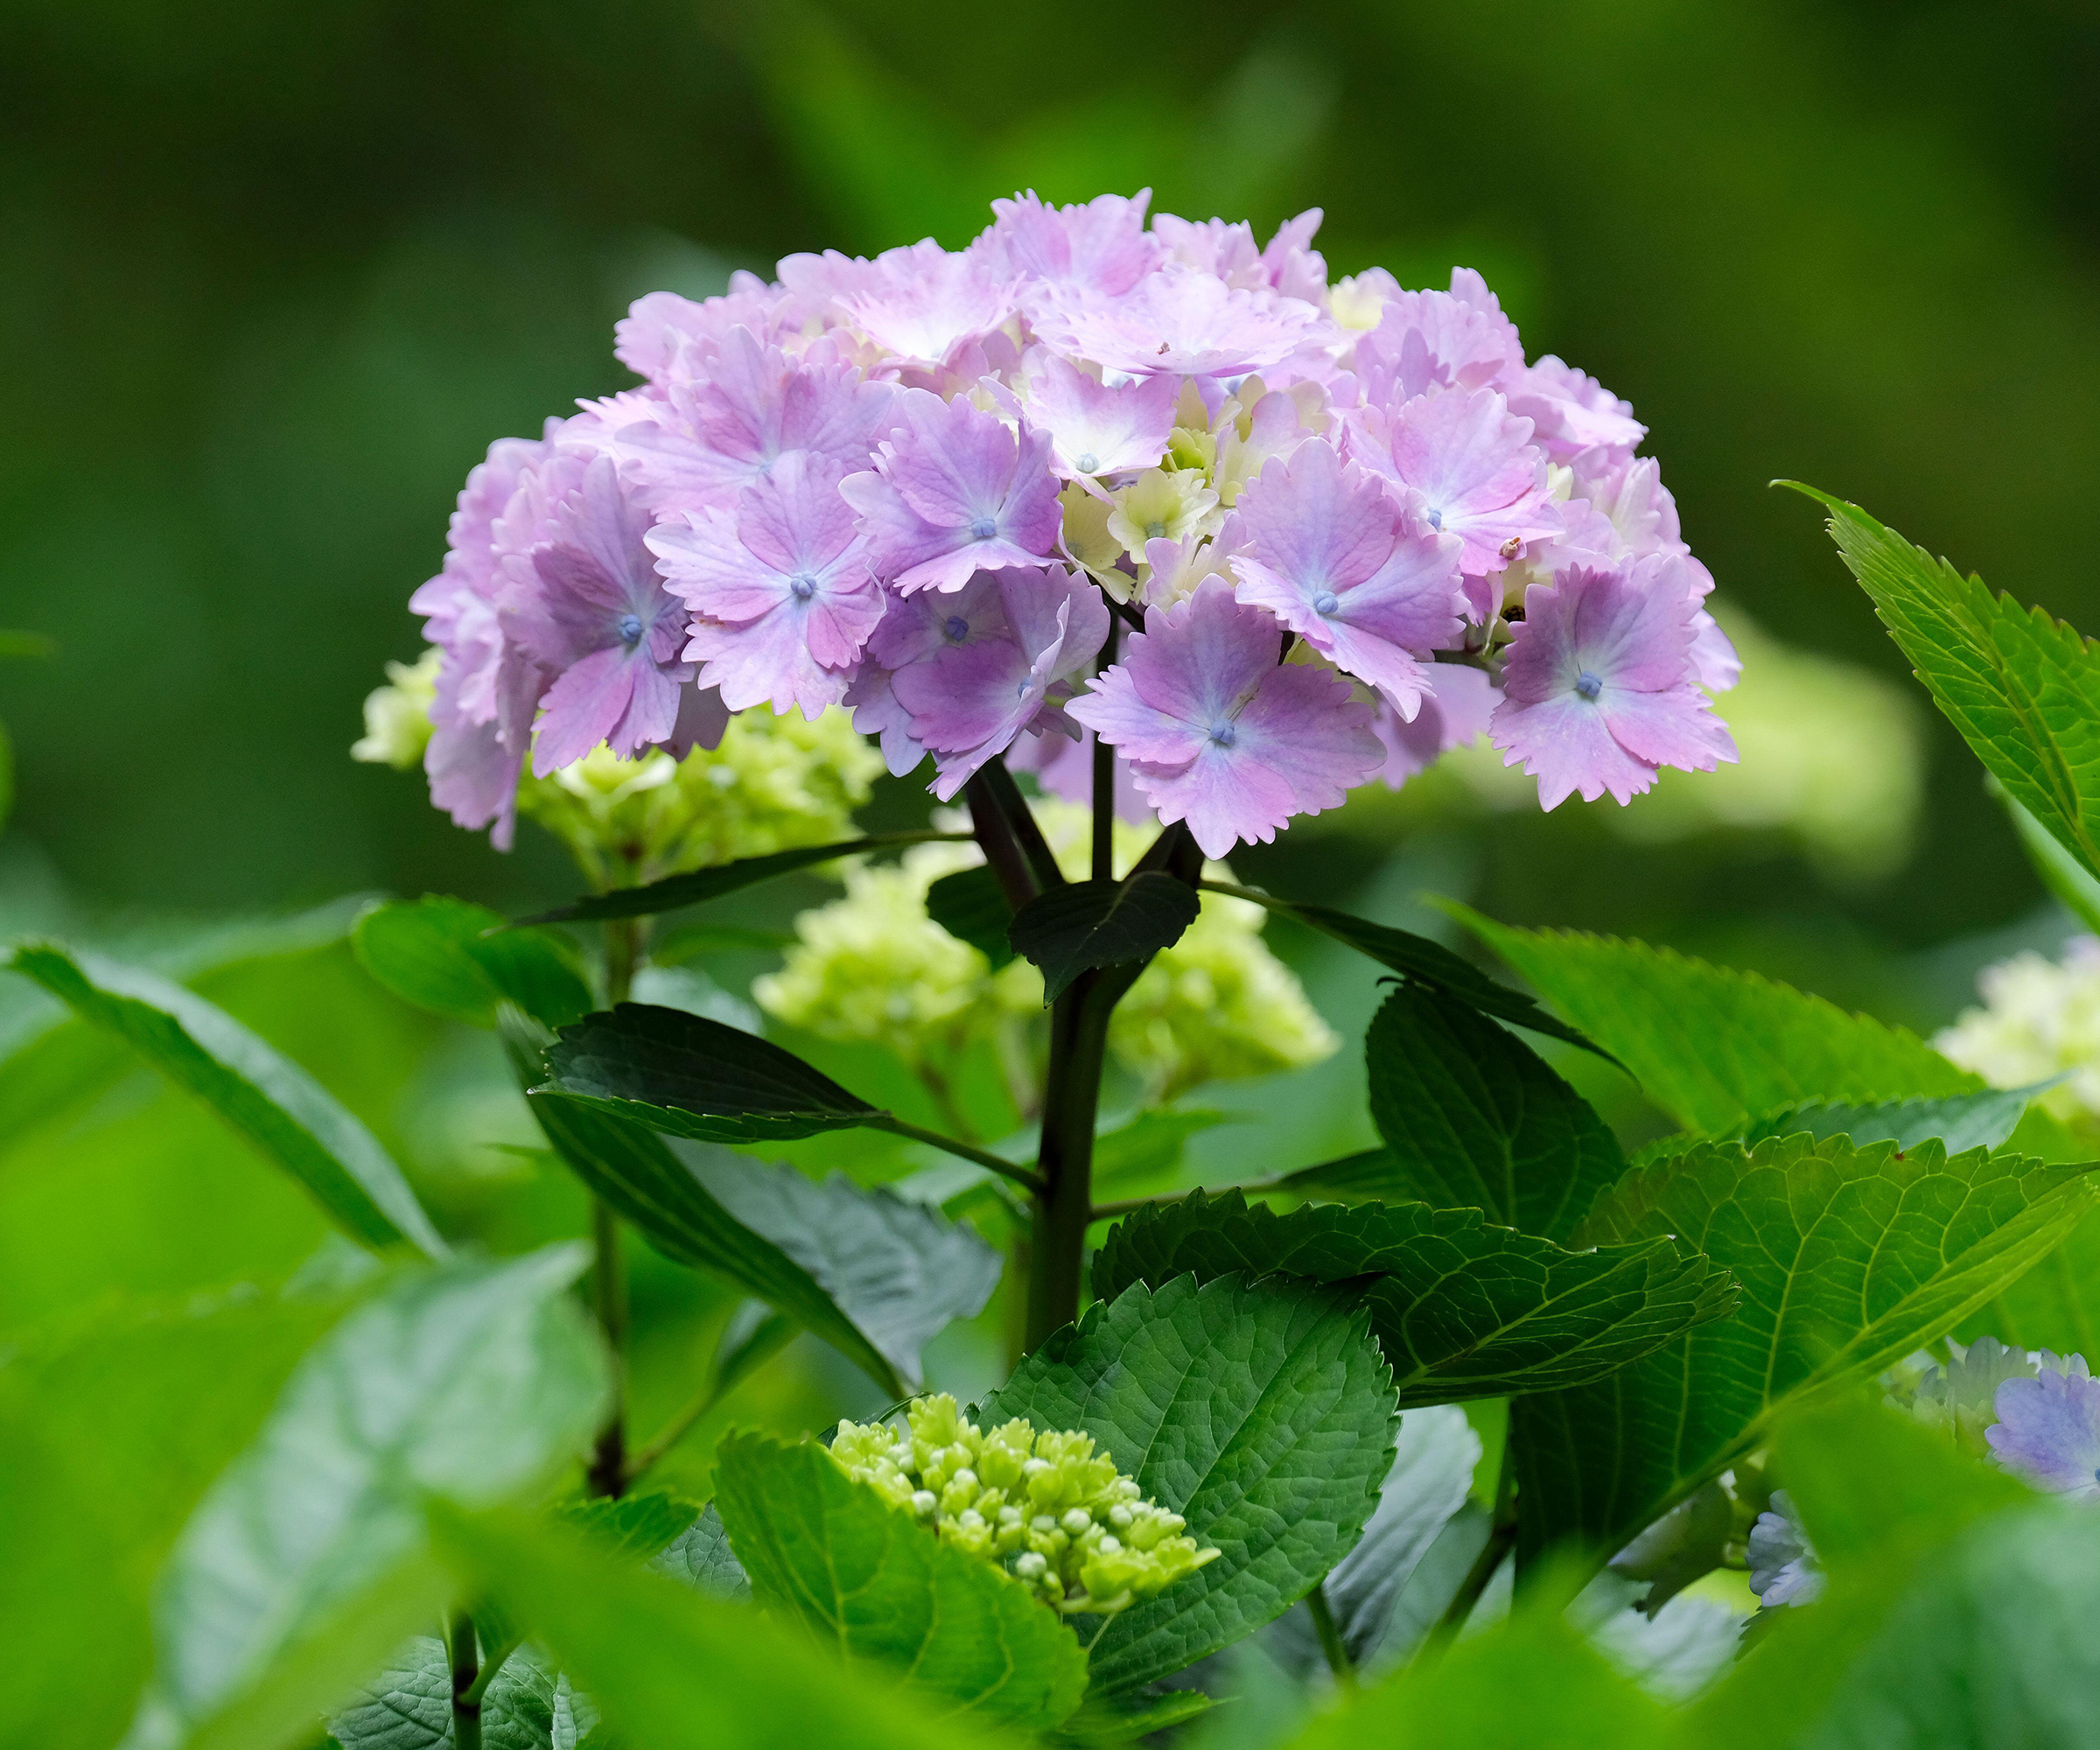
<point x="1331" y="1642"/>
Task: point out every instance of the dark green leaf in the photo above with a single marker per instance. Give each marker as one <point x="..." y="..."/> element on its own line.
<point x="1261" y="1412"/>
<point x="1429" y="1482"/>
<point x="1426" y="961"/>
<point x="1960" y="1122"/>
<point x="701" y="1559"/>
<point x="1150" y="1144"/>
<point x="2062" y="873"/>
<point x="474" y="1381"/>
<point x="263" y="1095"/>
<point x="1367" y="1173"/>
<point x="2023" y="688"/>
<point x="439" y="954"/>
<point x="1711" y="1046"/>
<point x="674" y="1669"/>
<point x="638" y="1526"/>
<point x="409" y="1705"/>
<point x="1085" y="925"/>
<point x="1849" y="1259"/>
<point x="1473" y="1119"/>
<point x="694" y="1077"/>
<point x="698" y="884"/>
<point x="871" y="1580"/>
<point x="970" y="907"/>
<point x="1461" y="1309"/>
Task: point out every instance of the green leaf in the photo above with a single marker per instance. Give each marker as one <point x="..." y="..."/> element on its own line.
<point x="873" y="1276"/>
<point x="1150" y="1144"/>
<point x="1849" y="1259"/>
<point x="970" y="907"/>
<point x="1119" y="1719"/>
<point x="474" y="1381"/>
<point x="1714" y="1047"/>
<point x="409" y="1705"/>
<point x="1431" y="1479"/>
<point x="1086" y="925"/>
<point x="439" y="954"/>
<point x="640" y="1526"/>
<point x="26" y="644"/>
<point x="2023" y="688"/>
<point x="1462" y="1309"/>
<point x="1959" y="1122"/>
<point x="674" y="1669"/>
<point x="1534" y="1681"/>
<point x="870" y="1579"/>
<point x="698" y="884"/>
<point x="1261" y="1412"/>
<point x="693" y="1077"/>
<point x="1425" y="962"/>
<point x="2061" y="873"/>
<point x="702" y="1558"/>
<point x="1473" y="1119"/>
<point x="1369" y="1172"/>
<point x="270" y="1099"/>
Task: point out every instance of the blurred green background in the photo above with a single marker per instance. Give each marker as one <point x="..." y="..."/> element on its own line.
<point x="273" y="281"/>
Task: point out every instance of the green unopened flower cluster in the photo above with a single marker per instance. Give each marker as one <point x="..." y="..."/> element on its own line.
<point x="397" y="715"/>
<point x="2040" y="1019"/>
<point x="874" y="968"/>
<point x="774" y="783"/>
<point x="1045" y="1505"/>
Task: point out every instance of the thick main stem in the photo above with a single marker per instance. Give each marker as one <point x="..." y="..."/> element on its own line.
<point x="461" y="1653"/>
<point x="1079" y="1037"/>
<point x="608" y="1470"/>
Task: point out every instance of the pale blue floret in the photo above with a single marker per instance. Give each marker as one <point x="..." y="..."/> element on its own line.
<point x="1436" y="518"/>
<point x="983" y="529"/>
<point x="1088" y="463"/>
<point x="1223" y="733"/>
<point x="1325" y="602"/>
<point x="630" y="629"/>
<point x="954" y="628"/>
<point x="801" y="586"/>
<point x="1783" y="1567"/>
<point x="1588" y="685"/>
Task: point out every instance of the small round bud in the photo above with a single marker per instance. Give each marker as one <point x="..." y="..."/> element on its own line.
<point x="923" y="1503"/>
<point x="1076" y="1520"/>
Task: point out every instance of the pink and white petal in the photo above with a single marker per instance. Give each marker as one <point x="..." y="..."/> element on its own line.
<point x="652" y="713"/>
<point x="964" y="693"/>
<point x="1223" y="796"/>
<point x="1713" y="657"/>
<point x="1113" y="708"/>
<point x="1564" y="742"/>
<point x="1673" y="728"/>
<point x="583" y="708"/>
<point x="1310" y="728"/>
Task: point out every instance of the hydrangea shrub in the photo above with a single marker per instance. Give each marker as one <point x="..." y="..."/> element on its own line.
<point x="1135" y="540"/>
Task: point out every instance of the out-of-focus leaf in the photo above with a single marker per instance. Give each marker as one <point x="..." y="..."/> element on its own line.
<point x="458" y="960"/>
<point x="270" y="1099"/>
<point x="1262" y="1412"/>
<point x="970" y="907"/>
<point x="1425" y="962"/>
<point x="474" y="1381"/>
<point x="698" y="884"/>
<point x="1959" y="1122"/>
<point x="1460" y="1308"/>
<point x="869" y="1579"/>
<point x="1533" y="1682"/>
<point x="1473" y="1117"/>
<point x="1849" y="1259"/>
<point x="1367" y="1173"/>
<point x="409" y="1704"/>
<point x="1688" y="1542"/>
<point x="1087" y="925"/>
<point x="27" y="645"/>
<point x="1711" y="1046"/>
<point x="109" y="1433"/>
<point x="693" y="1077"/>
<point x="673" y="1669"/>
<point x="1103" y="1719"/>
<point x="1150" y="1144"/>
<point x="1429" y="1482"/>
<point x="2023" y="688"/>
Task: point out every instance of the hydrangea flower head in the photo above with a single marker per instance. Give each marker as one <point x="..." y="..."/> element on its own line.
<point x="2048" y="1429"/>
<point x="2039" y="1021"/>
<point x="1219" y="733"/>
<point x="1043" y="1506"/>
<point x="1121" y="409"/>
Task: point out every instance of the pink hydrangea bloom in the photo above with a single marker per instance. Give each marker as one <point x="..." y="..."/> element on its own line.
<point x="1335" y="557"/>
<point x="1597" y="687"/>
<point x="953" y="493"/>
<point x="781" y="595"/>
<point x="850" y="485"/>
<point x="603" y="624"/>
<point x="967" y="698"/>
<point x="1221" y="735"/>
<point x="1471" y="469"/>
